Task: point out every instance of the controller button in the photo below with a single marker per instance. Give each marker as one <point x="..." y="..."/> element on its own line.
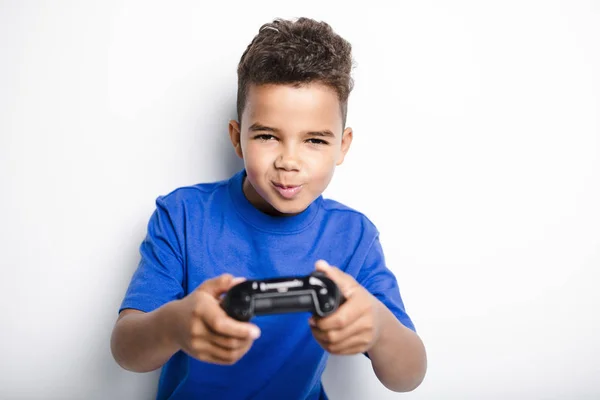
<point x="323" y="291"/>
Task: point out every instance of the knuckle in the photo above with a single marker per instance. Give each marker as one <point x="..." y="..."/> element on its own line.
<point x="197" y="345"/>
<point x="196" y="329"/>
<point x="226" y="361"/>
<point x="218" y="325"/>
<point x="231" y="357"/>
<point x="226" y="276"/>
<point x="197" y="308"/>
<point x="220" y="360"/>
<point x="229" y="343"/>
<point x="239" y="354"/>
<point x="330" y="336"/>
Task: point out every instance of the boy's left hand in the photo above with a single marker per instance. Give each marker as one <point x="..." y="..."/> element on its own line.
<point x="354" y="327"/>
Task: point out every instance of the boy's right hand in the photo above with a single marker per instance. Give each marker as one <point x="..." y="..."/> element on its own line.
<point x="204" y="331"/>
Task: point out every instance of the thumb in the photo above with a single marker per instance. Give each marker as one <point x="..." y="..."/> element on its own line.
<point x="219" y="285"/>
<point x="345" y="282"/>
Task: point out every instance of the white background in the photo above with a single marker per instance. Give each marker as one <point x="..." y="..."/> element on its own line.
<point x="476" y="153"/>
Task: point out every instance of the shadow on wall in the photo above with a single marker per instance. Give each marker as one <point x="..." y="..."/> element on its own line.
<point x="211" y="142"/>
<point x="345" y="378"/>
<point x="109" y="380"/>
<point x="231" y="162"/>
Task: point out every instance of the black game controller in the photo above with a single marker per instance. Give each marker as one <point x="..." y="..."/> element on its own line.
<point x="315" y="293"/>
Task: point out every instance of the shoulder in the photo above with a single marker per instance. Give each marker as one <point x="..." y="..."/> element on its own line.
<point x="349" y="217"/>
<point x="193" y="196"/>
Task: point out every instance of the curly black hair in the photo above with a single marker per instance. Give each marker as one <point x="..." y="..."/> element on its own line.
<point x="296" y="52"/>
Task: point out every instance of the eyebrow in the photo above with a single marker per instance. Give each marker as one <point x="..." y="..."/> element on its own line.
<point x="260" y="127"/>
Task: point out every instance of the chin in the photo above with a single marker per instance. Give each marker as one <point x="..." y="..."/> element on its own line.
<point x="289" y="209"/>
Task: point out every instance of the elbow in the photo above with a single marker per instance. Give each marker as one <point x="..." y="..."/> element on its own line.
<point x="407" y="377"/>
<point x="408" y="384"/>
<point x="124" y="351"/>
<point x="118" y="349"/>
<point x="416" y="376"/>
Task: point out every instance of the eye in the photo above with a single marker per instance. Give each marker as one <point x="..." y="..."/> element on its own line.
<point x="264" y="137"/>
<point x="317" y="141"/>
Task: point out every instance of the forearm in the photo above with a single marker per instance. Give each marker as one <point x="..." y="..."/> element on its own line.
<point x="143" y="342"/>
<point x="398" y="357"/>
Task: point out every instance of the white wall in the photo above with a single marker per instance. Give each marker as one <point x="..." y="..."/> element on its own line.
<point x="477" y="141"/>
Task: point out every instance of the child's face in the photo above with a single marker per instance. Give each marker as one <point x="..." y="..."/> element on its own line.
<point x="291" y="139"/>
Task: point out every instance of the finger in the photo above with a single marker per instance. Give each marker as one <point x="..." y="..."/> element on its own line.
<point x="235" y="281"/>
<point x="202" y="350"/>
<point x="346" y="315"/>
<point x="347" y="351"/>
<point x="217" y="286"/>
<point x="220" y="323"/>
<point x="345" y="282"/>
<point x="326" y="337"/>
<point x="229" y="343"/>
<point x="354" y="344"/>
<point x="339" y="335"/>
<point x="234" y="354"/>
<point x="206" y="350"/>
<point x="223" y="356"/>
<point x="209" y="358"/>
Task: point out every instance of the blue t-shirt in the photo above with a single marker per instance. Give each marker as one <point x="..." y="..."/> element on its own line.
<point x="202" y="231"/>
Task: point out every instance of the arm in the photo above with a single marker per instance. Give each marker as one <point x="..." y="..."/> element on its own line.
<point x="196" y="324"/>
<point x="141" y="342"/>
<point x="363" y="324"/>
<point x="398" y="355"/>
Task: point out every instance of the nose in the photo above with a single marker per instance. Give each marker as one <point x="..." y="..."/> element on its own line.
<point x="288" y="159"/>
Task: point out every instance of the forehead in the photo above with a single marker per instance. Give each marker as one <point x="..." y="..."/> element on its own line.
<point x="288" y="107"/>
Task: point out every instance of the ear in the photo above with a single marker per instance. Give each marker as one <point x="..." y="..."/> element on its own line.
<point x="346" y="142"/>
<point x="234" y="135"/>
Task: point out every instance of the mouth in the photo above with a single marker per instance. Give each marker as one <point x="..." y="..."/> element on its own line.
<point x="287" y="191"/>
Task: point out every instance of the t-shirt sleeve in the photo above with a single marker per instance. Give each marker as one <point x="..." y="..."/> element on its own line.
<point x="159" y="275"/>
<point x="381" y="282"/>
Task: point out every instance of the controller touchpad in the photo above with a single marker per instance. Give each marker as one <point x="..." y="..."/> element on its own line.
<point x="283" y="303"/>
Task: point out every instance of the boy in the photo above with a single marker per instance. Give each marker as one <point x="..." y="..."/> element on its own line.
<point x="268" y="220"/>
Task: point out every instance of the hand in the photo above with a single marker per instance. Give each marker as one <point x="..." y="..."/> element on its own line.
<point x="354" y="327"/>
<point x="203" y="329"/>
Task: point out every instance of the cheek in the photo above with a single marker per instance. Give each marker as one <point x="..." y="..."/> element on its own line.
<point x="257" y="155"/>
<point x="321" y="162"/>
